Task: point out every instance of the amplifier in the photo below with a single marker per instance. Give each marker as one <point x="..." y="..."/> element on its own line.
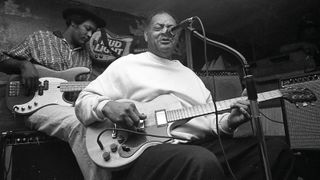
<point x="302" y="123"/>
<point x="224" y="84"/>
<point x="34" y="155"/>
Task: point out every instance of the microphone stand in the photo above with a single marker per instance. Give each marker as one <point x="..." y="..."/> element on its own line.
<point x="252" y="96"/>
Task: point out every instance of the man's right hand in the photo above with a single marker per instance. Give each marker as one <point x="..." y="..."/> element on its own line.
<point x="124" y="114"/>
<point x="30" y="76"/>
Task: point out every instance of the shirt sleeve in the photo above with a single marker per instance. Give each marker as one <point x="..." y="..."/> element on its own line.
<point x="96" y="95"/>
<point x="21" y="51"/>
<point x="222" y="121"/>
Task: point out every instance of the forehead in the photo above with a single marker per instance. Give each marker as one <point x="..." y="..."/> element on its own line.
<point x="90" y="23"/>
<point x="162" y="18"/>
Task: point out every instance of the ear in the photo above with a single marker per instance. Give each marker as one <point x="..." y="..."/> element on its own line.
<point x="145" y="36"/>
<point x="73" y="24"/>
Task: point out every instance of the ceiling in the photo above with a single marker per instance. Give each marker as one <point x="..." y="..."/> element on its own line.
<point x="264" y="24"/>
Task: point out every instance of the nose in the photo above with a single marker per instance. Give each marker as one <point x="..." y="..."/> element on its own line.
<point x="165" y="29"/>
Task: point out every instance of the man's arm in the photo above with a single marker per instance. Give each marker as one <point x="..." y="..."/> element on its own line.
<point x="29" y="74"/>
<point x="18" y="60"/>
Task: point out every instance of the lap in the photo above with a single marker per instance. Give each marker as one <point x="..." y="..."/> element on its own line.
<point x="173" y="161"/>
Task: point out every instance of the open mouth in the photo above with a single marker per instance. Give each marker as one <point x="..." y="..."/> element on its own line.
<point x="165" y="40"/>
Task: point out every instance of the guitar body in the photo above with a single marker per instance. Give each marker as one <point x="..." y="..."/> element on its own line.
<point x="23" y="104"/>
<point x="133" y="144"/>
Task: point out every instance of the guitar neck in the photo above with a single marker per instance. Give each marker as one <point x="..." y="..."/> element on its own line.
<point x="73" y="86"/>
<point x="204" y="109"/>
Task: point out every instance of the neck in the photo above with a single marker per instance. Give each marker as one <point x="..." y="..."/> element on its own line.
<point x="164" y="55"/>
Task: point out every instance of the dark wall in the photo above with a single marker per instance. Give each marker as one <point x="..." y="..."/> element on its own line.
<point x="22" y="17"/>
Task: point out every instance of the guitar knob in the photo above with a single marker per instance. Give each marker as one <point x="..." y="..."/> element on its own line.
<point x="22" y="109"/>
<point x="106" y="156"/>
<point x="35" y="104"/>
<point x="29" y="107"/>
<point x="113" y="147"/>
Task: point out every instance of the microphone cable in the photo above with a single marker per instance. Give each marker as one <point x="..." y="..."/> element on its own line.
<point x="213" y="96"/>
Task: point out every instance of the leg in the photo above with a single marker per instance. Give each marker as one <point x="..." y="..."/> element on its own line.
<point x="61" y="122"/>
<point x="244" y="158"/>
<point x="174" y="162"/>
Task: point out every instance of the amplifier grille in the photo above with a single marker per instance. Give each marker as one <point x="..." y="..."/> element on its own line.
<point x="303" y="123"/>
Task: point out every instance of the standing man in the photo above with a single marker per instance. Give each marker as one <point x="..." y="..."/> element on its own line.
<point x="146" y="76"/>
<point x="57" y="51"/>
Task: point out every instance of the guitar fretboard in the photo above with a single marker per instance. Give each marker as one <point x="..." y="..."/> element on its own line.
<point x="73" y="86"/>
<point x="205" y="109"/>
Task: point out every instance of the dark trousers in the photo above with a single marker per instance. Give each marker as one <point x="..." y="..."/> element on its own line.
<point x="202" y="160"/>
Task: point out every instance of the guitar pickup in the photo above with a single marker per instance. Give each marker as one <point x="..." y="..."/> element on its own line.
<point x="45" y="85"/>
<point x="161" y="117"/>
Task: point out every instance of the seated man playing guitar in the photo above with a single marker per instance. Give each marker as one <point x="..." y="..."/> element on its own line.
<point x="59" y="53"/>
<point x="123" y="136"/>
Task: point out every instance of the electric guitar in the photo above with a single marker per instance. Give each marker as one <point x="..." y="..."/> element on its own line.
<point x="112" y="147"/>
<point x="50" y="90"/>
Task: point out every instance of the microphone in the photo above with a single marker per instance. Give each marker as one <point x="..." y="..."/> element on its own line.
<point x="182" y="25"/>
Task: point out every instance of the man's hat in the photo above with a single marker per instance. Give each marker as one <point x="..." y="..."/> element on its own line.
<point x="86" y="13"/>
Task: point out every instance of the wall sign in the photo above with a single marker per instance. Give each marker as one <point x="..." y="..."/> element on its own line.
<point x="120" y="45"/>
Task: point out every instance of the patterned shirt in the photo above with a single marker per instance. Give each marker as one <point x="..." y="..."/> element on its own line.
<point x="51" y="50"/>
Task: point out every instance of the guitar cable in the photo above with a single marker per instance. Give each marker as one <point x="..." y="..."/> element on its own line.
<point x="272" y="120"/>
<point x="134" y="132"/>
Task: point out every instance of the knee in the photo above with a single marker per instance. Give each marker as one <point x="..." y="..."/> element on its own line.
<point x="203" y="157"/>
<point x="204" y="161"/>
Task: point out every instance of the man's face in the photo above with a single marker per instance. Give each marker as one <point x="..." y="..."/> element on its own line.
<point x="159" y="42"/>
<point x="83" y="32"/>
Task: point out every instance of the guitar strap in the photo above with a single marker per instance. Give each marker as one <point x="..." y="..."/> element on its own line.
<point x="104" y="38"/>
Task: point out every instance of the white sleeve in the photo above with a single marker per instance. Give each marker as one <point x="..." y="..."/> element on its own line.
<point x="222" y="120"/>
<point x="95" y="96"/>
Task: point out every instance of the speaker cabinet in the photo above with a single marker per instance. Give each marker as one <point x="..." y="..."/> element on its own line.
<point x="302" y="124"/>
<point x="224" y="84"/>
<point x="30" y="155"/>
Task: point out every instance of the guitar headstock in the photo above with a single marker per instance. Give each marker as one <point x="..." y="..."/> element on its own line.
<point x="298" y="95"/>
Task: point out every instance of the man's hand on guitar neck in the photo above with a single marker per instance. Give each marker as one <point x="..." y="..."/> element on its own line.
<point x="239" y="113"/>
<point x="124" y="114"/>
<point x="29" y="76"/>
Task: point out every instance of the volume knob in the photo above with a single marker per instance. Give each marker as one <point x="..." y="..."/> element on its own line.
<point x="106" y="156"/>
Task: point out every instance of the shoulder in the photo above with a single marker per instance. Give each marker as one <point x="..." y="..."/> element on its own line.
<point x="41" y="34"/>
<point x="129" y="59"/>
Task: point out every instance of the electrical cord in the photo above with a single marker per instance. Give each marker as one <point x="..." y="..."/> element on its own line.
<point x="213" y="95"/>
<point x="272" y="120"/>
